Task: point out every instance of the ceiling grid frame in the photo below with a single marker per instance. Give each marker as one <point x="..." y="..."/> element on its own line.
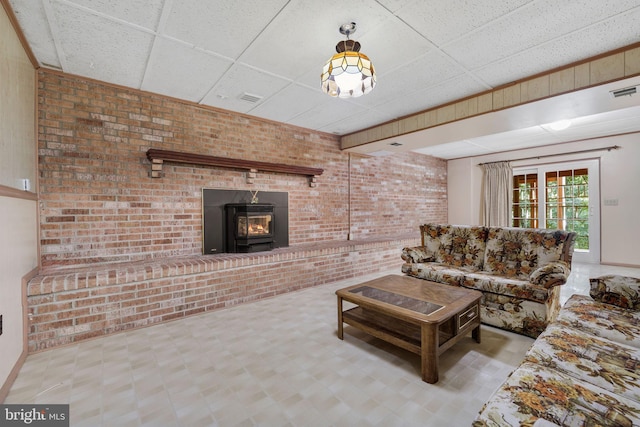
<point x="425" y="57"/>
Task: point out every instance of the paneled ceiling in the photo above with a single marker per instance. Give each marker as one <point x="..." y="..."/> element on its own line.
<point x="264" y="57"/>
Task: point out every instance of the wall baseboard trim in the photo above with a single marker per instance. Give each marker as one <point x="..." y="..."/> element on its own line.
<point x="617" y="264"/>
<point x="4" y="390"/>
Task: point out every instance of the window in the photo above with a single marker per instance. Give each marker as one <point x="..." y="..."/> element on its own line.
<point x="525" y="200"/>
<point x="567" y="203"/>
<point x="561" y="196"/>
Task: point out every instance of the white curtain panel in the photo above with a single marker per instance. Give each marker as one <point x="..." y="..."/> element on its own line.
<point x="498" y="177"/>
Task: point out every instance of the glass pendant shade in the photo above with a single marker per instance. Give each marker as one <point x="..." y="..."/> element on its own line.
<point x="349" y="73"/>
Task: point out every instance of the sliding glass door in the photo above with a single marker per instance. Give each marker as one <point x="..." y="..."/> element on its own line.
<point x="563" y="197"/>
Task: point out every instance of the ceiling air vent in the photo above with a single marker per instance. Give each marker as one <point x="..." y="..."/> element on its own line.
<point x="395" y="144"/>
<point x="627" y="91"/>
<point x="250" y="97"/>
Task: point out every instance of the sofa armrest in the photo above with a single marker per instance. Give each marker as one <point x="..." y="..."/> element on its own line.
<point x="617" y="290"/>
<point x="553" y="274"/>
<point x="416" y="254"/>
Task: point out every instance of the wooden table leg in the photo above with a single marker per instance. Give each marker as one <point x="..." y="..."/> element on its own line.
<point x="429" y="353"/>
<point x="340" y="330"/>
<point x="475" y="334"/>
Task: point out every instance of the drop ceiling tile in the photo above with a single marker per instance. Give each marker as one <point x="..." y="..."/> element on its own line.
<point x="333" y="110"/>
<point x="355" y="122"/>
<point x="239" y="80"/>
<point x="276" y="48"/>
<point x="35" y="26"/>
<point x="453" y="150"/>
<point x="393" y="45"/>
<point x="599" y="38"/>
<point x="538" y="22"/>
<point x="517" y="139"/>
<point x="145" y="13"/>
<point x="280" y="107"/>
<point x="224" y="27"/>
<point x="442" y="93"/>
<point x="92" y="46"/>
<point x="395" y="5"/>
<point x="179" y="70"/>
<point x="427" y="71"/>
<point x="528" y="63"/>
<point x="403" y="90"/>
<point x="444" y="21"/>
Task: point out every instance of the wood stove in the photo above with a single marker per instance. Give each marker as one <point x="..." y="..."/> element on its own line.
<point x="214" y="218"/>
<point x="250" y="227"/>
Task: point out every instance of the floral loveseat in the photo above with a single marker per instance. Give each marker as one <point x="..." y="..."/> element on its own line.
<point x="584" y="370"/>
<point x="518" y="270"/>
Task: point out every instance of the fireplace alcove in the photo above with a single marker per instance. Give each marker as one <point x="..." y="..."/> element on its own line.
<point x="222" y="209"/>
<point x="250" y="227"/>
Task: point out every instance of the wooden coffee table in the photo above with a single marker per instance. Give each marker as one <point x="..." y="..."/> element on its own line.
<point x="423" y="317"/>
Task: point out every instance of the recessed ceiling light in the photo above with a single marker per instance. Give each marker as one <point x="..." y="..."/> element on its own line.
<point x="559" y="125"/>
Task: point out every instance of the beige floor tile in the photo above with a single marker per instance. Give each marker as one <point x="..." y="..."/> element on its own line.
<point x="276" y="362"/>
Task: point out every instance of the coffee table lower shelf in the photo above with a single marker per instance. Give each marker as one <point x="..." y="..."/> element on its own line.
<point x="393" y="330"/>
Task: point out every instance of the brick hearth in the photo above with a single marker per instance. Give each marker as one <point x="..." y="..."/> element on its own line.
<point x="70" y="305"/>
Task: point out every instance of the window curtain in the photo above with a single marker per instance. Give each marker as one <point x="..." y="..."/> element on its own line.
<point x="497" y="194"/>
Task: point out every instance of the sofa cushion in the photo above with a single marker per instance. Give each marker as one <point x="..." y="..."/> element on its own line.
<point x="518" y="252"/>
<point x="603" y="320"/>
<point x="604" y="363"/>
<point x="515" y="314"/>
<point x="505" y="286"/>
<point x="434" y="272"/>
<point x="535" y="392"/>
<point x="617" y="290"/>
<point x="553" y="274"/>
<point x="455" y="245"/>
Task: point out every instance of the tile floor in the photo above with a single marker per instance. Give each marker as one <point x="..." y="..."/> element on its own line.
<point x="274" y="362"/>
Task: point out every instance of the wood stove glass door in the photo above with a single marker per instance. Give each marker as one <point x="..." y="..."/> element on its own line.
<point x="254" y="225"/>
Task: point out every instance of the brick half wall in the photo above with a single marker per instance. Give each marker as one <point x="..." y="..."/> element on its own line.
<point x="70" y="306"/>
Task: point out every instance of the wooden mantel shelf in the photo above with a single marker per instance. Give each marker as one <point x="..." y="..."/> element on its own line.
<point x="158" y="157"/>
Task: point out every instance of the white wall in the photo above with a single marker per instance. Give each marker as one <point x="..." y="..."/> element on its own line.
<point x="462" y="206"/>
<point x="619" y="179"/>
<point x="18" y="209"/>
<point x="18" y="228"/>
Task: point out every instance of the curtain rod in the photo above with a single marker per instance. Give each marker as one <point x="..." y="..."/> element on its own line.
<point x="612" y="147"/>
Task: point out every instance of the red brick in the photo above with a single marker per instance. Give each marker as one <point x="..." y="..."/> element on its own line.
<point x="99" y="206"/>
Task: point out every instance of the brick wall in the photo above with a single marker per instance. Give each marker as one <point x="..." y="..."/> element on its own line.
<point x="122" y="250"/>
<point x="98" y="203"/>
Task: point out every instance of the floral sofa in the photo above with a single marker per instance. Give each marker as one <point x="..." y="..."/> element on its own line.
<point x="518" y="270"/>
<point x="583" y="370"/>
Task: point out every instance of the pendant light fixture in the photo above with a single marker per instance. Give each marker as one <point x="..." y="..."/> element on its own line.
<point x="349" y="73"/>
